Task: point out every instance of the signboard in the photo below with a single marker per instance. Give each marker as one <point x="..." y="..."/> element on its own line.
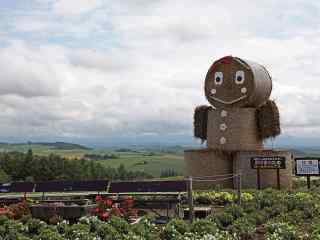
<point x="5" y="187"/>
<point x="307" y="167"/>
<point x="268" y="162"/>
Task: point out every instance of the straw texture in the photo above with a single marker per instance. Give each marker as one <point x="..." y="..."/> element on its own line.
<point x="258" y="84"/>
<point x="268" y="177"/>
<point x="268" y="120"/>
<point x="237" y="128"/>
<point x="200" y="120"/>
<point x="208" y="162"/>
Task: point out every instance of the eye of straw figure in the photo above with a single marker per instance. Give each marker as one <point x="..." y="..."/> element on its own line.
<point x="233" y="84"/>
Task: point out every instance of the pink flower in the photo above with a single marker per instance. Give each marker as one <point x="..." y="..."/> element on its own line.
<point x="105" y="216"/>
<point x="98" y="198"/>
<point x="108" y="202"/>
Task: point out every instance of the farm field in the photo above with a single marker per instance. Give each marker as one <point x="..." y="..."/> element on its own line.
<point x="152" y="164"/>
<point x="151" y="161"/>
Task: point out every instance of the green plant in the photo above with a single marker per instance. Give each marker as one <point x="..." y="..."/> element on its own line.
<point x="174" y="229"/>
<point x="35" y="226"/>
<point x="244" y="227"/>
<point x="223" y="219"/>
<point x="108" y="232"/>
<point x="203" y="227"/>
<point x="281" y="231"/>
<point x="146" y="229"/>
<point x="49" y="234"/>
<point x="235" y="210"/>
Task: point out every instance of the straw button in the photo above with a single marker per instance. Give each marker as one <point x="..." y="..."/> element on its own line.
<point x="223" y="140"/>
<point x="224" y="113"/>
<point x="223" y="126"/>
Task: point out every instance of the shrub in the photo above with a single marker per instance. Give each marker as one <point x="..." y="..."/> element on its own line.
<point x="107" y="232"/>
<point x="174" y="229"/>
<point x="49" y="234"/>
<point x="246" y="197"/>
<point x="244" y="227"/>
<point x="223" y="219"/>
<point x="78" y="231"/>
<point x="146" y="229"/>
<point x="281" y="231"/>
<point x="235" y="210"/>
<point x="203" y="227"/>
<point x="259" y="217"/>
<point x="35" y="226"/>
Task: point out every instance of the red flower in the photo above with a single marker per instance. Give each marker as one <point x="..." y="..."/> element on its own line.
<point x="96" y="210"/>
<point x="118" y="212"/>
<point x="98" y="198"/>
<point x="121" y="210"/>
<point x="104" y="216"/>
<point x="108" y="202"/>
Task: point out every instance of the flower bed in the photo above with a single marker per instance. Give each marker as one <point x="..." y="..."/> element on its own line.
<point x="267" y="214"/>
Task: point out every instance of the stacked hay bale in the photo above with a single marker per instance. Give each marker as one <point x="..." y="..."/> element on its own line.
<point x="241" y="117"/>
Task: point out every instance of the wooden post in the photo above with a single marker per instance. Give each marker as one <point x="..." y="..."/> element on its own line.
<point x="278" y="178"/>
<point x="308" y="182"/>
<point x="239" y="189"/>
<point x="190" y="200"/>
<point x="258" y="178"/>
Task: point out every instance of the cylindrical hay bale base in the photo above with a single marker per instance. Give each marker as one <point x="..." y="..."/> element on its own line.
<point x="208" y="162"/>
<point x="233" y="129"/>
<point x="268" y="177"/>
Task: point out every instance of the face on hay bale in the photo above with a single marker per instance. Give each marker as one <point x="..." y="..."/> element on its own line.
<point x="233" y="82"/>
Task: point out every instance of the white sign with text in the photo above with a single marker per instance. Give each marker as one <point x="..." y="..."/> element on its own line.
<point x="307" y="166"/>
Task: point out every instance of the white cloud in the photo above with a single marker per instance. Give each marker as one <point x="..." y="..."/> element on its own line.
<point x="141" y="65"/>
<point x="74" y="7"/>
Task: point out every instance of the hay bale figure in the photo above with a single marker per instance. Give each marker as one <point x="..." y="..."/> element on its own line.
<point x="240" y="118"/>
<point x="232" y="84"/>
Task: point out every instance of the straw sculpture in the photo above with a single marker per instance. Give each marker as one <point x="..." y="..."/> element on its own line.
<point x="243" y="116"/>
<point x="200" y="122"/>
<point x="268" y="120"/>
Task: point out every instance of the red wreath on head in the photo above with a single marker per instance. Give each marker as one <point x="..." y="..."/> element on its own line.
<point x="224" y="60"/>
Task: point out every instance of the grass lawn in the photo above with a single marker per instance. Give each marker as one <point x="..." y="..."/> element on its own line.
<point x="151" y="164"/>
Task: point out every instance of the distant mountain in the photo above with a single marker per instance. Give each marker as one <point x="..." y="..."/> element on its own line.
<point x="53" y="145"/>
<point x="63" y="145"/>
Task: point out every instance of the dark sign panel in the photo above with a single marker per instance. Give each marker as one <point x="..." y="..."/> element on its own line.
<point x="22" y="187"/>
<point x="5" y="187"/>
<point x="307" y="167"/>
<point x="268" y="162"/>
<point x="16" y="187"/>
<point x="150" y="186"/>
<point x="65" y="186"/>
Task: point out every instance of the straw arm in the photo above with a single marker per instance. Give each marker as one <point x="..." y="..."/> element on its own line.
<point x="200" y="120"/>
<point x="268" y="120"/>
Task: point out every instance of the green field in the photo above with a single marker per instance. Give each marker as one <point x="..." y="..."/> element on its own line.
<point x="152" y="162"/>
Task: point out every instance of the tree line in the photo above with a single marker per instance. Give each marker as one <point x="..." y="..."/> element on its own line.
<point x="17" y="166"/>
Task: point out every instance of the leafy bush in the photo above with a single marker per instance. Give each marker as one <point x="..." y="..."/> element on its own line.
<point x="214" y="197"/>
<point x="146" y="229"/>
<point x="203" y="227"/>
<point x="244" y="227"/>
<point x="281" y="231"/>
<point x="108" y="232"/>
<point x="223" y="219"/>
<point x="175" y="228"/>
<point x="49" y="234"/>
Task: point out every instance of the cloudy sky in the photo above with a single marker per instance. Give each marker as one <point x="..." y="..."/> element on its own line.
<point x="91" y="70"/>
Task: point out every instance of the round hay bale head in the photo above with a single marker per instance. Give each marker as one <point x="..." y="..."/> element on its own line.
<point x="235" y="82"/>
